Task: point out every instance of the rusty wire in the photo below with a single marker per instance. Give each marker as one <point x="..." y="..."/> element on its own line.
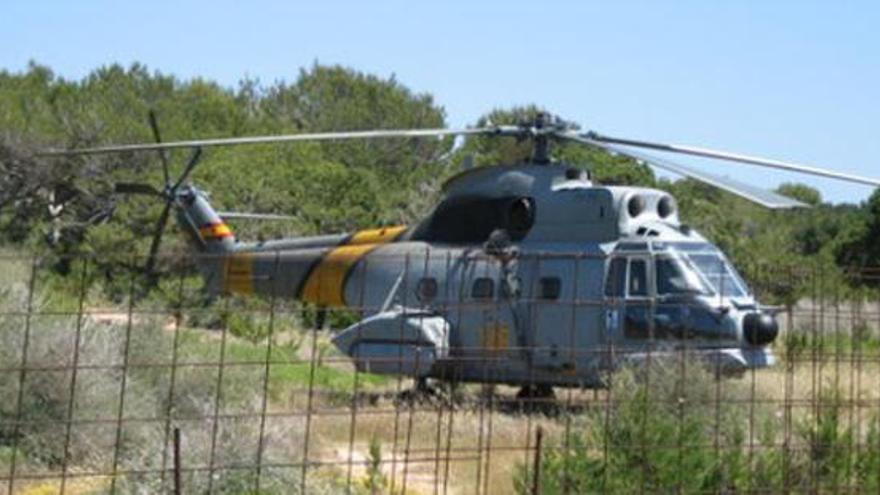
<point x="256" y="419"/>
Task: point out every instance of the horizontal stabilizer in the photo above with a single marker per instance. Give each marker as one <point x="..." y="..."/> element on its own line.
<point x="232" y="215"/>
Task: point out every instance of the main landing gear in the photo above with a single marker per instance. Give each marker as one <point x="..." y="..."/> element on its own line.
<point x="535" y="392"/>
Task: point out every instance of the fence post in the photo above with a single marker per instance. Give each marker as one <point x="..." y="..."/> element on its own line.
<point x="536" y="470"/>
<point x="177" y="490"/>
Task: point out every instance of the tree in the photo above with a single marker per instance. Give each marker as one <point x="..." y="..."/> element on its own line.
<point x="860" y="246"/>
<point x="381" y="178"/>
<point x="800" y="192"/>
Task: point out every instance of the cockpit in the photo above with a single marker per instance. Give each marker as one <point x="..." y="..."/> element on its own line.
<point x="681" y="291"/>
<point x="698" y="269"/>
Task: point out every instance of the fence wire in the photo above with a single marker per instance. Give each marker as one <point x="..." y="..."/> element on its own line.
<point x="108" y="387"/>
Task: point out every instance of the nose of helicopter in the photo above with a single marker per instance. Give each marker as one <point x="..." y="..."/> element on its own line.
<point x="760" y="328"/>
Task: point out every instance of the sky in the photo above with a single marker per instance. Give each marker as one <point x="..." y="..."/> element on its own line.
<point x="792" y="80"/>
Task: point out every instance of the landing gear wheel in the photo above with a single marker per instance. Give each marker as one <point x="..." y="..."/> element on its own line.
<point x="423" y="387"/>
<point x="532" y="392"/>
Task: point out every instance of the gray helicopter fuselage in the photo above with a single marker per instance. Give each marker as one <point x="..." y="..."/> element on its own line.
<point x="525" y="275"/>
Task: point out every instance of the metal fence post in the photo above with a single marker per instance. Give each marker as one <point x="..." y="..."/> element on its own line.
<point x="536" y="469"/>
<point x="177" y="489"/>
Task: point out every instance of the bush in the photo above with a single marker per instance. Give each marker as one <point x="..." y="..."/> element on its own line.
<point x="663" y="430"/>
<point x="42" y="433"/>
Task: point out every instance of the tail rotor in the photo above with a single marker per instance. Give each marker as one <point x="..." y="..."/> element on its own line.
<point x="168" y="194"/>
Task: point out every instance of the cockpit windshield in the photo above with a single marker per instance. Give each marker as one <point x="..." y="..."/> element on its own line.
<point x="692" y="268"/>
<point x="718" y="272"/>
<point x="677" y="275"/>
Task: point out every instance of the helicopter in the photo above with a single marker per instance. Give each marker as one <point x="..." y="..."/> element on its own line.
<point x="531" y="275"/>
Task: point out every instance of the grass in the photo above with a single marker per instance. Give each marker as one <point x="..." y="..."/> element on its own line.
<point x="288" y="369"/>
<point x="803" y="344"/>
<point x="668" y="431"/>
<point x="828" y="407"/>
<point x="95" y="441"/>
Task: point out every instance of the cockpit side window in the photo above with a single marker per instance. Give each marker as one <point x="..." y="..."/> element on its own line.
<point x="638" y="278"/>
<point x="615" y="282"/>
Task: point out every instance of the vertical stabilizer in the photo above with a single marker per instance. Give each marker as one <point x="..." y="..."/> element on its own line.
<point x="211" y="236"/>
<point x="201" y="222"/>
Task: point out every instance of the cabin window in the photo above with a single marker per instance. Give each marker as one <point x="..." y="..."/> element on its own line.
<point x="484" y="288"/>
<point x="638" y="278"/>
<point x="550" y="288"/>
<point x="426" y="289"/>
<point x="616" y="279"/>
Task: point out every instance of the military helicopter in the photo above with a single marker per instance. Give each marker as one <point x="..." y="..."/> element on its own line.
<point x="530" y="275"/>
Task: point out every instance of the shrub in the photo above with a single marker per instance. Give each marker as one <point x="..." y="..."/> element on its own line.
<point x="663" y="430"/>
<point x="45" y="407"/>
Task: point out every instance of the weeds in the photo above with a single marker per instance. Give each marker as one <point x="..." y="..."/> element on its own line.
<point x="98" y="430"/>
<point x="374" y="480"/>
<point x="666" y="430"/>
<point x="804" y="344"/>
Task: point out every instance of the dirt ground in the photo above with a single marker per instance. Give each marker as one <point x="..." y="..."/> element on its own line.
<point x="485" y="441"/>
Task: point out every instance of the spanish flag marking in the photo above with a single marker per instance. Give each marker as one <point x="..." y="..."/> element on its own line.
<point x="326" y="283"/>
<point x="215" y="231"/>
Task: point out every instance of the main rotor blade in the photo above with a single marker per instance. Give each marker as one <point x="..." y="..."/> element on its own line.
<point x="763" y="197"/>
<point x="190" y="165"/>
<point x="157" y="136"/>
<point x="734" y="157"/>
<point x="283" y="138"/>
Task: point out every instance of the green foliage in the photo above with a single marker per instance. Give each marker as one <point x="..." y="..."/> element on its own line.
<point x="803" y="343"/>
<point x="380" y="178"/>
<point x="658" y="434"/>
<point x="861" y="246"/>
<point x="836" y="455"/>
<point x="374" y="481"/>
<point x="332" y="186"/>
<point x="668" y="431"/>
<point x="801" y="192"/>
<point x="45" y="398"/>
<point x="830" y="443"/>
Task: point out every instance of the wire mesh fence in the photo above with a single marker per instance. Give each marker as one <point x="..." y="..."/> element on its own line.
<point x="108" y="387"/>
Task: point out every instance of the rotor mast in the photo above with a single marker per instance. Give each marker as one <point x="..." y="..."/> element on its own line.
<point x="541" y="140"/>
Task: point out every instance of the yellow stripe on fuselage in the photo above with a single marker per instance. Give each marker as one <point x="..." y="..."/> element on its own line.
<point x="326" y="283"/>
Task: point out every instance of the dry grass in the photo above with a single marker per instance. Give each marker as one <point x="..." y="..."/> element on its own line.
<point x="427" y="447"/>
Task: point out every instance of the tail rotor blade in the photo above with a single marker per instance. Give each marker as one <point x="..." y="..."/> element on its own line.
<point x="190" y="165"/>
<point x="157" y="239"/>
